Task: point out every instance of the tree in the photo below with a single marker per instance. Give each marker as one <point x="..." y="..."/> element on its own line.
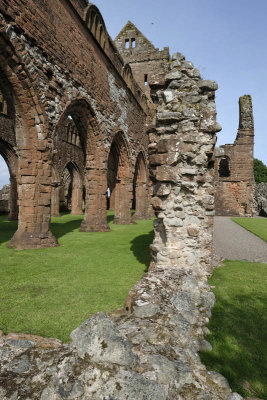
<point x="260" y="171"/>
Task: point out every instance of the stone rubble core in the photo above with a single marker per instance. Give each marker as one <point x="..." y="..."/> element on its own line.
<point x="149" y="350"/>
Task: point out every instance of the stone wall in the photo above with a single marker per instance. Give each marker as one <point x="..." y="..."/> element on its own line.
<point x="260" y="197"/>
<point x="67" y="97"/>
<point x="149" y="349"/>
<point x="234" y="176"/>
<point x="4" y="199"/>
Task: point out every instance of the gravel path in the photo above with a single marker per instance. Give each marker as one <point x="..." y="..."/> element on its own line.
<point x="236" y="243"/>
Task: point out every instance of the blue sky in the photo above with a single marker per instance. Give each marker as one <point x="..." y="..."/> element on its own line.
<point x="226" y="40"/>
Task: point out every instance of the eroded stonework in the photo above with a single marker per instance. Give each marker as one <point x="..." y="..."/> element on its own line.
<point x="234" y="175"/>
<point x="95" y="134"/>
<point x="149" y="349"/>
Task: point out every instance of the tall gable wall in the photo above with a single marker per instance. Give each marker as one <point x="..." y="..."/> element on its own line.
<point x="144" y="59"/>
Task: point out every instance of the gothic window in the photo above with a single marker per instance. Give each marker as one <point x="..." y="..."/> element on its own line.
<point x="224" y="167"/>
<point x="127" y="43"/>
<point x="133" y="43"/>
<point x="72" y="133"/>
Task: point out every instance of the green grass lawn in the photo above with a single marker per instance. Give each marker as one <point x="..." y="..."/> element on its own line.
<point x="258" y="226"/>
<point x="49" y="292"/>
<point x="239" y="327"/>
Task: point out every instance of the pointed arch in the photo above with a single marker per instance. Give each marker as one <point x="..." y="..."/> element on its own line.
<point x="140" y="188"/>
<point x="34" y="163"/>
<point x="119" y="179"/>
<point x="96" y="25"/>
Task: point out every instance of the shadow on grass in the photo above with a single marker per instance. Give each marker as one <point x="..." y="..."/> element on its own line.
<point x="60" y="229"/>
<point x="239" y="339"/>
<point x="140" y="248"/>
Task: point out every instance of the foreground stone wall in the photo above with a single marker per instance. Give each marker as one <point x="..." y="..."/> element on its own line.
<point x="149" y="349"/>
<point x="260" y="197"/>
<point x="234" y="176"/>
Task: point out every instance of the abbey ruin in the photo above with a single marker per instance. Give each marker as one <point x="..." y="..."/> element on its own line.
<point x="80" y="115"/>
<point x="234" y="176"/>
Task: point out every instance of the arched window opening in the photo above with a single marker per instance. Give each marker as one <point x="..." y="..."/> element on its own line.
<point x="73" y="136"/>
<point x="113" y="164"/>
<point x="224" y="167"/>
<point x="71" y="192"/>
<point x="119" y="180"/>
<point x="140" y="189"/>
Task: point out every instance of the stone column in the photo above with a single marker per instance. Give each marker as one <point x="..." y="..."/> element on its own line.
<point x="13" y="199"/>
<point x="141" y="201"/>
<point x="123" y="198"/>
<point x="112" y="199"/>
<point x="77" y="201"/>
<point x="95" y="216"/>
<point x="55" y="200"/>
<point x="34" y="198"/>
<point x="181" y="167"/>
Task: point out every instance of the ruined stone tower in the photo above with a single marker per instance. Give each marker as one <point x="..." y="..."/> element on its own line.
<point x="144" y="59"/>
<point x="234" y="178"/>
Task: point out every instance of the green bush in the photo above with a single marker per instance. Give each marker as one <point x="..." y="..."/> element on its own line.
<point x="260" y="171"/>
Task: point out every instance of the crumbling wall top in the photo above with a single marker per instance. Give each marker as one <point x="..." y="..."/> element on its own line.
<point x="245" y="113"/>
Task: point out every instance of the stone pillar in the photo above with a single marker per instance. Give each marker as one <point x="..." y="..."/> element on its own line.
<point x="95" y="216"/>
<point x="141" y="202"/>
<point x="77" y="201"/>
<point x="181" y="161"/>
<point x="34" y="198"/>
<point x="55" y="200"/>
<point x="13" y="199"/>
<point x="112" y="199"/>
<point x="123" y="198"/>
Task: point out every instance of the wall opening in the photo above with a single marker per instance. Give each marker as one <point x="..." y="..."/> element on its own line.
<point x="224" y="167"/>
<point x="133" y="43"/>
<point x="127" y="43"/>
<point x="4" y="187"/>
<point x="145" y="80"/>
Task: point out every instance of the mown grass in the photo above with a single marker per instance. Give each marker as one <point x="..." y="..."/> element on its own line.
<point x="239" y="327"/>
<point x="258" y="226"/>
<point x="49" y="292"/>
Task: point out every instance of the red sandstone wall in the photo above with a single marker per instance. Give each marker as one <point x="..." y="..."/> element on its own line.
<point x="234" y="194"/>
<point x="52" y="60"/>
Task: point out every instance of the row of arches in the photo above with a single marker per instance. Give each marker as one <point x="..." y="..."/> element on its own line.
<point x="75" y="173"/>
<point x="68" y="191"/>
